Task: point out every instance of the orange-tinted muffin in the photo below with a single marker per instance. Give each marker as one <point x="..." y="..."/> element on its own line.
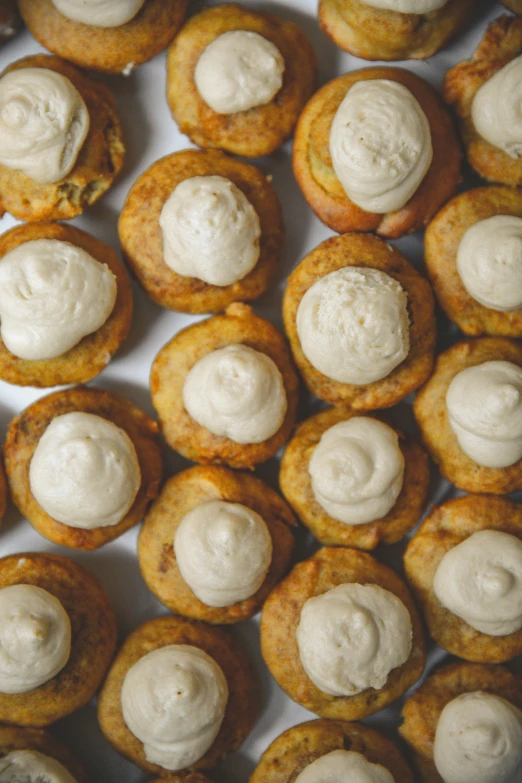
<point x="14" y="738"/>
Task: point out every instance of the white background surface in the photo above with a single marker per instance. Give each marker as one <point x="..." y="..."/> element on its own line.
<point x="150" y="133"/>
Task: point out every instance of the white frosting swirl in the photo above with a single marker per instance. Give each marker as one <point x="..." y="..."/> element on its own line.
<point x="353" y="325"/>
<point x="223" y="551"/>
<point x="238" y="71"/>
<point x="52" y="294"/>
<point x="489" y="262"/>
<point x="485" y="412"/>
<point x="30" y="766"/>
<point x="407" y="6"/>
<point x="479" y="740"/>
<point x="84" y="471"/>
<point x="351" y="637"/>
<point x="210" y="231"/>
<point x="99" y="13"/>
<point x="43" y="123"/>
<point x="380" y="143"/>
<point x="344" y="765"/>
<point x="174" y="700"/>
<point x="35" y="638"/>
<point x="480" y="580"/>
<point x="496" y="110"/>
<point x="237" y="393"/>
<point x="357" y="469"/>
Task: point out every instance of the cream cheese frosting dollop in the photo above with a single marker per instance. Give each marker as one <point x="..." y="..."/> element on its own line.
<point x="351" y="637"/>
<point x="357" y="470"/>
<point x="35" y="638"/>
<point x="496" y="109"/>
<point x="52" y="294"/>
<point x="484" y="406"/>
<point x="344" y="765"/>
<point x="43" y="123"/>
<point x="99" y="13"/>
<point x="236" y="392"/>
<point x="31" y="766"/>
<point x="174" y="700"/>
<point x="480" y="580"/>
<point x="353" y="325"/>
<point x="479" y="740"/>
<point x="84" y="471"/>
<point x="408" y="6"/>
<point x="380" y="144"/>
<point x="210" y="231"/>
<point x="223" y="551"/>
<point x="238" y="71"/>
<point x="489" y="262"/>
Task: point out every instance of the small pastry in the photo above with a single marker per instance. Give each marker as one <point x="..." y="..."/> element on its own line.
<point x="202" y="230"/>
<point x="82" y="466"/>
<point x="237" y="80"/>
<point x="470" y="415"/>
<point x="9" y="20"/>
<point x="61" y="143"/>
<point x="226" y="390"/>
<point x="65" y="305"/>
<point x="486" y="94"/>
<point x="464" y="566"/>
<point x="113" y="36"/>
<point x="215" y="543"/>
<point x="464" y="725"/>
<point x="341" y="635"/>
<point x="376" y="150"/>
<point x="354" y="480"/>
<point x="393" y="29"/>
<point x="179" y="697"/>
<point x="35" y="755"/>
<point x="473" y="256"/>
<point x="57" y="638"/>
<point x="360" y="321"/>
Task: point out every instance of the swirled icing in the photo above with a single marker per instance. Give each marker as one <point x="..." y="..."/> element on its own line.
<point x="408" y="6"/>
<point x="99" y="13"/>
<point x="344" y="765"/>
<point x="31" y="766"/>
<point x="496" y="110"/>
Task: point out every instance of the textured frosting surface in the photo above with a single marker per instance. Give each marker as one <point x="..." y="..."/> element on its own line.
<point x="35" y="638"/>
<point x="496" y="110"/>
<point x="99" y="13"/>
<point x="43" y="123"/>
<point x="408" y="6"/>
<point x="174" y="700"/>
<point x="30" y="766"/>
<point x="344" y="765"/>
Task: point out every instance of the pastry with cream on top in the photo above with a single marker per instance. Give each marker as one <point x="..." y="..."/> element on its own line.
<point x="37" y="755"/>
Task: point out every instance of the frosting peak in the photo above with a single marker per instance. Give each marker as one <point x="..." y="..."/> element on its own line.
<point x="496" y="110"/>
<point x="344" y="765"/>
<point x="30" y="766"/>
<point x="99" y="13"/>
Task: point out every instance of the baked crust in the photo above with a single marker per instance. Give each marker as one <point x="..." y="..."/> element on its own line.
<point x="262" y="129"/>
<point x="446" y="527"/>
<point x="15" y="738"/>
<point x="441" y="244"/>
<point x="242" y="706"/>
<point x="25" y="432"/>
<point x="430" y="412"/>
<point x="329" y="568"/>
<point x="182" y="493"/>
<point x="361" y="250"/>
<point x="238" y="324"/>
<point x="97" y="164"/>
<point x="502" y="42"/>
<point x="108" y="49"/>
<point x="320" y="185"/>
<point x="142" y="240"/>
<point x="296" y="486"/>
<point x="93" y="626"/>
<point x="422" y="711"/>
<point x="92" y="354"/>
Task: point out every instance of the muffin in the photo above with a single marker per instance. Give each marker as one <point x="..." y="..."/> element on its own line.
<point x="226" y="390"/>
<point x="376" y="150"/>
<point x="341" y="635"/>
<point x="58" y="620"/>
<point x="470" y="415"/>
<point x="65" y="305"/>
<point x="485" y="94"/>
<point x="179" y="697"/>
<point x="464" y="567"/>
<point x="82" y="466"/>
<point x="237" y="79"/>
<point x="104" y="36"/>
<point x="215" y="543"/>
<point x="33" y="752"/>
<point x="202" y="230"/>
<point x="465" y="723"/>
<point x="354" y="480"/>
<point x="51" y="171"/>
<point x="360" y="321"/>
<point x="473" y="256"/>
